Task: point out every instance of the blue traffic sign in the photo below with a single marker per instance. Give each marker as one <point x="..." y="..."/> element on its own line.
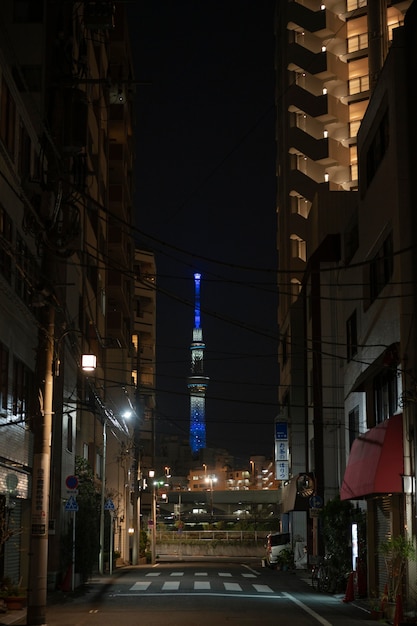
<point x="281" y="430"/>
<point x="71" y="504"/>
<point x="316" y="502"/>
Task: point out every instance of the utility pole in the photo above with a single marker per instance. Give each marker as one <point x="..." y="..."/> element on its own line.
<point x="42" y="427"/>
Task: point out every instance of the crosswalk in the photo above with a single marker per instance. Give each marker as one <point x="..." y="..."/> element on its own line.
<point x="219" y="582"/>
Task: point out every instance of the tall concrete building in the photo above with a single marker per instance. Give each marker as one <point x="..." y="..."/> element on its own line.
<point x="67" y="253"/>
<point x="329" y="60"/>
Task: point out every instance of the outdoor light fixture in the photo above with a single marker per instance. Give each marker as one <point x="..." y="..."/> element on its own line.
<point x="88" y="362"/>
<point x="152" y="522"/>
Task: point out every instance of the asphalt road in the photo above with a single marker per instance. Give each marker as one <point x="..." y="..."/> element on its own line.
<point x="202" y="594"/>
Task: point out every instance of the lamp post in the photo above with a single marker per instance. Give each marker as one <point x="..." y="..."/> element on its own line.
<point x="103" y="493"/>
<point x="153" y="518"/>
<point x="211" y="480"/>
<point x="42" y="436"/>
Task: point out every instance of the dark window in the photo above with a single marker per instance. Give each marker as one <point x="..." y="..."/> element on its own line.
<point x="4" y="375"/>
<point x="385" y="388"/>
<point x="381" y="268"/>
<point x="377" y="148"/>
<point x="22" y="384"/>
<point x="351" y="336"/>
<point x="6" y="233"/>
<point x="26" y="271"/>
<point x="7" y="118"/>
<point x="69" y="433"/>
<point x="353" y="425"/>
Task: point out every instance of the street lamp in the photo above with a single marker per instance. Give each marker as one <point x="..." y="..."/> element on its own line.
<point x="153" y="517"/>
<point x="88" y="362"/>
<point x="103" y="490"/>
<point x="211" y="480"/>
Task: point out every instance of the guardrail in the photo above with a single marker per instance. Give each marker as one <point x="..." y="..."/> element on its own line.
<point x="243" y="536"/>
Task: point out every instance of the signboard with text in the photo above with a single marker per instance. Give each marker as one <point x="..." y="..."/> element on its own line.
<point x="281" y="470"/>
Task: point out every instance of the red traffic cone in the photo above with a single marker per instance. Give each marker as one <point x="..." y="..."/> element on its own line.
<point x="66" y="583"/>
<point x="399" y="615"/>
<point x="350" y="594"/>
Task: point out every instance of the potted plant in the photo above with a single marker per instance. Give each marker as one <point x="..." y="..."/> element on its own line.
<point x="13" y="595"/>
<point x="286" y="559"/>
<point x="397" y="551"/>
<point x="375" y="604"/>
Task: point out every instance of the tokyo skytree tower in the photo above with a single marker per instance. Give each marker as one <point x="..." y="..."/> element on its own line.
<point x="197" y="382"/>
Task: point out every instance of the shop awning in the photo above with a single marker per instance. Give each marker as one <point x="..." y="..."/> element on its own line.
<point x="376" y="461"/>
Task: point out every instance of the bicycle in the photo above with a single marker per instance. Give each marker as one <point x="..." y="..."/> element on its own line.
<point x="315" y="575"/>
<point x="323" y="577"/>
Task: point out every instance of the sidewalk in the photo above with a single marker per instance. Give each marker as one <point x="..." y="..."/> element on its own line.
<point x="360" y="603"/>
<point x="95" y="585"/>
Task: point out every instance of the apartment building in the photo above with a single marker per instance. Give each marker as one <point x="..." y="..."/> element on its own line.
<point x="66" y="273"/>
<point x="144" y="381"/>
<point x="330" y="58"/>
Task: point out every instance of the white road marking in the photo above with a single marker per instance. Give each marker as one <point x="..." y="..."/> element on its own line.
<point x="263" y="589"/>
<point x="153" y="574"/>
<point x="307" y="609"/>
<point x="199" y="586"/>
<point x="249" y="575"/>
<point x="171" y="585"/>
<point x="177" y="574"/>
<point x="141" y="586"/>
<point x="225" y="574"/>
<point x="232" y="587"/>
<point x="201" y="574"/>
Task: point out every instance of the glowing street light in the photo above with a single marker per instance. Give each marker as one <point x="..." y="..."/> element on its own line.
<point x="153" y="518"/>
<point x="210" y="480"/>
<point x="88" y="362"/>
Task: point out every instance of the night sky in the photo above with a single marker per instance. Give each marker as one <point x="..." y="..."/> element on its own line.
<point x="205" y="201"/>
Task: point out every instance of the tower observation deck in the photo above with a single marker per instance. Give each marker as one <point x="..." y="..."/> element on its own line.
<point x="197" y="382"/>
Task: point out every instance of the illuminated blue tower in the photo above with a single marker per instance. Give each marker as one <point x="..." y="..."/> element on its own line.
<point x="197" y="382"/>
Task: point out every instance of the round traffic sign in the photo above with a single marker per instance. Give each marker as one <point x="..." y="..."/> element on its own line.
<point x="316" y="502"/>
<point x="71" y="482"/>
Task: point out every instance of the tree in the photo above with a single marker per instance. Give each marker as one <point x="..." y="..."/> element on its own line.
<point x="337" y="517"/>
<point x="397" y="551"/>
<point x="87" y="522"/>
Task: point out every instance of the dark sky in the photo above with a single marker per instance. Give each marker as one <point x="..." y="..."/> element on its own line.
<point x="205" y="201"/>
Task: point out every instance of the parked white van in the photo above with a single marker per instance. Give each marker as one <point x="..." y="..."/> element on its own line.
<point x="275" y="543"/>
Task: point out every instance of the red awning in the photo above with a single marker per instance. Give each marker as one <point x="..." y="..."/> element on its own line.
<point x="376" y="461"/>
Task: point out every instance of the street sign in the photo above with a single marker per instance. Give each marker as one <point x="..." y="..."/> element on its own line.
<point x="71" y="504"/>
<point x="71" y="482"/>
<point x="108" y="505"/>
<point x="281" y="430"/>
<point x="282" y="470"/>
<point x="315" y="502"/>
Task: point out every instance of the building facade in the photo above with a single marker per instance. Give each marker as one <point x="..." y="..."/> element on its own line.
<point x="335" y="319"/>
<point x="66" y="202"/>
